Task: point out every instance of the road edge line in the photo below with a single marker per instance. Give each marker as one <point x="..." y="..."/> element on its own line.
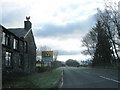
<point x="61" y="80"/>
<point x="110" y="79"/>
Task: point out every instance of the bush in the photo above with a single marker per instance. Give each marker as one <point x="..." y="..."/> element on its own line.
<point x="73" y="63"/>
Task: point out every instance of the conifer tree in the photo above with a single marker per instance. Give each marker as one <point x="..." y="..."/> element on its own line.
<point x="102" y="55"/>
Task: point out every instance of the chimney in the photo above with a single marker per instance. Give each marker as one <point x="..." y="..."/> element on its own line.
<point x="27" y="24"/>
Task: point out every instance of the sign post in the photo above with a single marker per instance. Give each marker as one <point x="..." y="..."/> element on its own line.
<point x="47" y="57"/>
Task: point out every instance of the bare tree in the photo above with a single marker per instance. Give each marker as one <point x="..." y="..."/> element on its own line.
<point x="90" y="41"/>
<point x="112" y="9"/>
<point x="55" y="53"/>
<point x="108" y="18"/>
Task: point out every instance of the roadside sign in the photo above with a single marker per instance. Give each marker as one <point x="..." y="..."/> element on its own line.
<point x="47" y="56"/>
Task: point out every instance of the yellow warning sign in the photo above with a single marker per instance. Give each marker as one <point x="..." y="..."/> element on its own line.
<point x="47" y="53"/>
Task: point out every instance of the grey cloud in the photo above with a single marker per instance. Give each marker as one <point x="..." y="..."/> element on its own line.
<point x="12" y="17"/>
<point x="53" y="30"/>
<point x="62" y="52"/>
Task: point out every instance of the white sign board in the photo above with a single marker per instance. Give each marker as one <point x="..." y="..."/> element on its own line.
<point x="47" y="59"/>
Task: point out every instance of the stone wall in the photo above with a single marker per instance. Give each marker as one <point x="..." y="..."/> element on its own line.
<point x="15" y="61"/>
<point x="31" y="50"/>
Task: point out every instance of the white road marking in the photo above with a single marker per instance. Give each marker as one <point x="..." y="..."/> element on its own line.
<point x="61" y="80"/>
<point x="110" y="79"/>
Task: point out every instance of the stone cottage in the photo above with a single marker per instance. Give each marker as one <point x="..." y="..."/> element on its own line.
<point x="18" y="49"/>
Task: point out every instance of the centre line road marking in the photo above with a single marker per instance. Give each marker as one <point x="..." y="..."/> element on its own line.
<point x="109" y="79"/>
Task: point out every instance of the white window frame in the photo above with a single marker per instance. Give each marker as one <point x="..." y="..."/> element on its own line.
<point x="3" y="38"/>
<point x="15" y="44"/>
<point x="8" y="57"/>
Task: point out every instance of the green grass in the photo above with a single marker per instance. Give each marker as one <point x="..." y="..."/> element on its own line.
<point x="39" y="80"/>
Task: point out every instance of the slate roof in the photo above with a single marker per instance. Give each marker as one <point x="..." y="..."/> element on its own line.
<point x="20" y="32"/>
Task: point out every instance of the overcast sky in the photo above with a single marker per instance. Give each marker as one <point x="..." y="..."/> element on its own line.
<point x="58" y="24"/>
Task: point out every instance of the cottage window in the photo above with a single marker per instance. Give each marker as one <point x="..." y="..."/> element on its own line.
<point x="7" y="40"/>
<point x="21" y="45"/>
<point x="8" y="56"/>
<point x="20" y="60"/>
<point x="25" y="46"/>
<point x="3" y="38"/>
<point x="15" y="44"/>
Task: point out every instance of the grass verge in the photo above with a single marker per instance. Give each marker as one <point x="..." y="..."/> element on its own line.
<point x="47" y="79"/>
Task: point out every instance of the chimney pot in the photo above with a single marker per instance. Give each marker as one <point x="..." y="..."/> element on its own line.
<point x="27" y="24"/>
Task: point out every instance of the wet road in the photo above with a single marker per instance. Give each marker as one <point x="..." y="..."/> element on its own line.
<point x="84" y="77"/>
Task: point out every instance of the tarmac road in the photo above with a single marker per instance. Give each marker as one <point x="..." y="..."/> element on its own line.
<point x="84" y="77"/>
